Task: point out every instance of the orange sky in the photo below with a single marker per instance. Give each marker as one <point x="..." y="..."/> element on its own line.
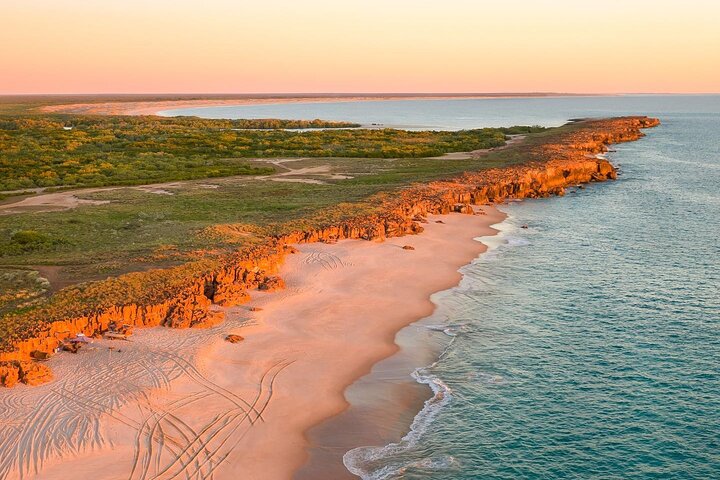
<point x="116" y="46"/>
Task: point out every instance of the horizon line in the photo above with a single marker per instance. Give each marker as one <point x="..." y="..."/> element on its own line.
<point x="340" y="94"/>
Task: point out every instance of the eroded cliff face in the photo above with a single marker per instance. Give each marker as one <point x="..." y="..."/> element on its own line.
<point x="569" y="160"/>
<point x="29" y="373"/>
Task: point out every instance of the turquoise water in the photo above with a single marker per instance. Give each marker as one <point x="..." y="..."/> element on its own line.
<point x="588" y="345"/>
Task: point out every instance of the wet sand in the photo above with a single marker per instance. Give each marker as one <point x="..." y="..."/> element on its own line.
<point x="187" y="404"/>
<point x="383" y="404"/>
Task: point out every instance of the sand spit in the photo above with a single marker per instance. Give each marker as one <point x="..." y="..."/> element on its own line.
<point x="153" y="107"/>
<point x="188" y="404"/>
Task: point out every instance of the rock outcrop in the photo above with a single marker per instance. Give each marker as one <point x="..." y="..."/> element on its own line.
<point x="185" y="296"/>
<point x="29" y="373"/>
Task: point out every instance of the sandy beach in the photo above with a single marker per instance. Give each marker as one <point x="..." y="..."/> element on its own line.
<point x="153" y="107"/>
<point x="188" y="404"/>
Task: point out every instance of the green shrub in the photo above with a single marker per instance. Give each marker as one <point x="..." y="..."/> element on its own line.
<point x="26" y="241"/>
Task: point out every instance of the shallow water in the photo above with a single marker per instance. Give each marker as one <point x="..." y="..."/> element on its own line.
<point x="466" y="113"/>
<point x="588" y="345"/>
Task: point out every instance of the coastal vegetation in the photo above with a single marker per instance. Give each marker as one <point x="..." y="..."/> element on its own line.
<point x="85" y="151"/>
<point x="142" y="244"/>
<point x="134" y="229"/>
<point x="20" y="288"/>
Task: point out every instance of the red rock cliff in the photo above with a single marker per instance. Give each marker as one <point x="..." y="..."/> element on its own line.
<point x="551" y="166"/>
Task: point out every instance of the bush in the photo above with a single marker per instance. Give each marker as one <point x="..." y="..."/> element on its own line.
<point x="25" y="241"/>
<point x="38" y="152"/>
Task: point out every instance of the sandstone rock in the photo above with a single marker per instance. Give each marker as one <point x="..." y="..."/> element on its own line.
<point x="408" y="247"/>
<point x="213" y="317"/>
<point x="232" y="338"/>
<point x="463" y="208"/>
<point x="29" y="373"/>
<point x="9" y="374"/>
<point x="32" y="373"/>
<point x="271" y="284"/>
<point x="188" y="309"/>
<point x="230" y="294"/>
<point x="551" y="167"/>
<point x="39" y="355"/>
<point x="71" y="347"/>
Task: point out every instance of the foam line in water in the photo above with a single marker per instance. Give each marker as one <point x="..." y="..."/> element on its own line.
<point x="360" y="461"/>
<point x="371" y="462"/>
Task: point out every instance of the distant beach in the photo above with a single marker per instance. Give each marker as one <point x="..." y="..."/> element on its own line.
<point x="155" y="107"/>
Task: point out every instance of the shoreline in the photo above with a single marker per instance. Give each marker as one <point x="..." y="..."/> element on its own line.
<point x="339" y="316"/>
<point x="434" y="334"/>
<point x="391" y="405"/>
<point x="186" y="296"/>
<point x="384" y="404"/>
<point x="160" y="107"/>
<point x="126" y="405"/>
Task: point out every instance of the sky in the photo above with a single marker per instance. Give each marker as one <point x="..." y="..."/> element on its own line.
<point x="311" y="46"/>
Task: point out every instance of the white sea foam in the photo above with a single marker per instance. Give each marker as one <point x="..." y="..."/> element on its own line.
<point x="377" y="463"/>
<point x="362" y="461"/>
<point x="516" y="241"/>
<point x="449" y="330"/>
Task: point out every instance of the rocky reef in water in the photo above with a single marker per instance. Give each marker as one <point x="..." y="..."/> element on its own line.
<point x="188" y="296"/>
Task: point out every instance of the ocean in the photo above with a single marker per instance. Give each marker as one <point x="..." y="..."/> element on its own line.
<point x="588" y="344"/>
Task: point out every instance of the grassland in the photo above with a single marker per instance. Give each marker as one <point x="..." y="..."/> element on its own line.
<point x="21" y="288"/>
<point x="84" y="151"/>
<point x="140" y="229"/>
<point x="225" y="187"/>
